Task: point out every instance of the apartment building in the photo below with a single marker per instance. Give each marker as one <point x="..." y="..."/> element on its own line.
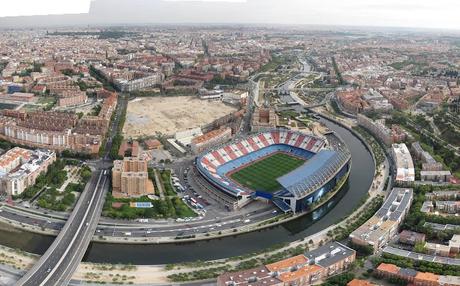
<point x="52" y="131"/>
<point x="395" y="134"/>
<point x="450" y="207"/>
<point x="443" y="195"/>
<point x="71" y="98"/>
<point x="352" y="102"/>
<point x="378" y="230"/>
<point x="405" y="171"/>
<point x="140" y="83"/>
<point x="411" y="237"/>
<point x="263" y="119"/>
<point x="57" y="131"/>
<point x="435" y="176"/>
<point x="431" y="169"/>
<point x="130" y="178"/>
<point x="210" y="139"/>
<point x="377" y="128"/>
<point x="19" y="168"/>
<point x="255" y="276"/>
<point x="414" y="277"/>
<point x="308" y="269"/>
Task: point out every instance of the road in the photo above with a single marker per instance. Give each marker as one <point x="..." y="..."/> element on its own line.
<point x="420" y="256"/>
<point x="117" y="229"/>
<point x="59" y="262"/>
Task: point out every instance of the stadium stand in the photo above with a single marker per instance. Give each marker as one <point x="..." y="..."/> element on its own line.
<point x="323" y="169"/>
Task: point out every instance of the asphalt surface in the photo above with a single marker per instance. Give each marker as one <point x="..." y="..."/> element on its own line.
<point x="61" y="259"/>
<point x="419" y="256"/>
<point x="59" y="262"/>
<point x="146" y="229"/>
<point x="215" y="219"/>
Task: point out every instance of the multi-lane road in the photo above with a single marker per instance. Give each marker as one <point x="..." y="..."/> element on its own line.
<point x="59" y="262"/>
<point x="114" y="229"/>
<point x="61" y="259"/>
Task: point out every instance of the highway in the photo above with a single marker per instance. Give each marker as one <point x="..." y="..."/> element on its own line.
<point x="59" y="262"/>
<point x="62" y="258"/>
<point x="118" y="229"/>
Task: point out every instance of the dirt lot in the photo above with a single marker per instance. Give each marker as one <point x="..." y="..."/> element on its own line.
<point x="168" y="115"/>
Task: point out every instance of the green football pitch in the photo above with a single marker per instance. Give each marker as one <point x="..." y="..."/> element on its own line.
<point x="262" y="175"/>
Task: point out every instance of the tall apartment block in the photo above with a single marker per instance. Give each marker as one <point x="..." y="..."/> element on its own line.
<point x="130" y="178"/>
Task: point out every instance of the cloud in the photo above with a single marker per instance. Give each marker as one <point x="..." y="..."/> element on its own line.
<point x="394" y="13"/>
<point x="43" y="7"/>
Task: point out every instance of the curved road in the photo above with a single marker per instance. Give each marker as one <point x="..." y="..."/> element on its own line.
<point x="59" y="262"/>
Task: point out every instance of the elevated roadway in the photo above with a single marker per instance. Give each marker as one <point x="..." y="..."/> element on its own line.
<point x="59" y="262"/>
<point x="61" y="259"/>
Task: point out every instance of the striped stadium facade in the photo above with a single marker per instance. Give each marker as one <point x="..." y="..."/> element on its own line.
<point x="325" y="166"/>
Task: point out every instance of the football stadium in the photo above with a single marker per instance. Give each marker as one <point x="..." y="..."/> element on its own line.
<point x="292" y="169"/>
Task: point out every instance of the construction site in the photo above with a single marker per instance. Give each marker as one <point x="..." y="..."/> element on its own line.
<point x="167" y="115"/>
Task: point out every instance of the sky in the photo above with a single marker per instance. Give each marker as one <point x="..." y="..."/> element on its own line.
<point x="442" y="14"/>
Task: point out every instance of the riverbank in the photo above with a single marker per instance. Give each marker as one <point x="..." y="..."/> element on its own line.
<point x="281" y="219"/>
<point x="158" y="274"/>
<point x="340" y="206"/>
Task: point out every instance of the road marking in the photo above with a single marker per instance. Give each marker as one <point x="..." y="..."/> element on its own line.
<point x="50" y="250"/>
<point x="54" y="246"/>
<point x="95" y="209"/>
<point x="74" y="237"/>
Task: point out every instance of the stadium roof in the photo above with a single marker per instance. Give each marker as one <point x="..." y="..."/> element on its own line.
<point x="313" y="173"/>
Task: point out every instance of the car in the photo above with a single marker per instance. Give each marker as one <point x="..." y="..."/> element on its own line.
<point x="48" y="270"/>
<point x="247" y="221"/>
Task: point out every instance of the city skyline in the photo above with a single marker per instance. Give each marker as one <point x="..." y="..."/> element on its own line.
<point x="230" y="142"/>
<point x="389" y="13"/>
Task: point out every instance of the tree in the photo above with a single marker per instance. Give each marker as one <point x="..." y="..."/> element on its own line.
<point x="85" y="173"/>
<point x="420" y="247"/>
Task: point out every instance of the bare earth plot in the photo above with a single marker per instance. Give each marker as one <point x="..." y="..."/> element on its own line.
<point x="167" y="115"/>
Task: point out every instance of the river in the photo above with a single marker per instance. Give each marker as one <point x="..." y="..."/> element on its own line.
<point x="341" y="205"/>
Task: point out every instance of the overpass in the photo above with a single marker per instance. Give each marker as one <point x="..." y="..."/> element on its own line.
<point x="62" y="258"/>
